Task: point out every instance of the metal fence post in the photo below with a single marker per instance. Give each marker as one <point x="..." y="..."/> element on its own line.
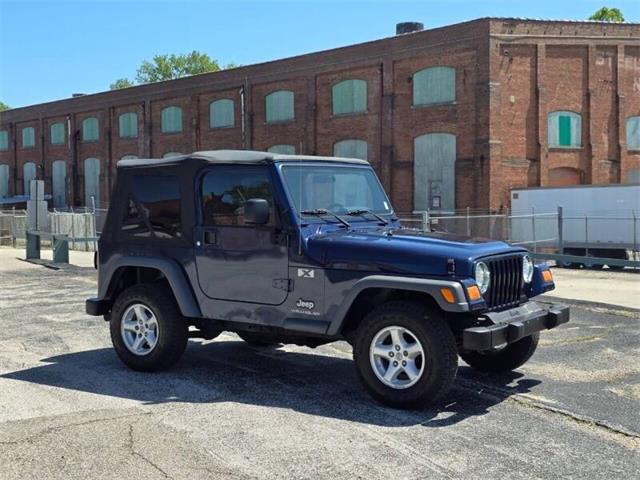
<point x="507" y="226"/>
<point x="560" y="231"/>
<point x="426" y="222"/>
<point x="635" y="234"/>
<point x="586" y="235"/>
<point x="533" y="229"/>
<point x="468" y="224"/>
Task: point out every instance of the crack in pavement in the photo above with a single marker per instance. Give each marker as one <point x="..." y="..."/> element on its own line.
<point x="130" y="445"/>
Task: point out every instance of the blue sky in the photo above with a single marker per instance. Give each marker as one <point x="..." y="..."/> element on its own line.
<point x="51" y="49"/>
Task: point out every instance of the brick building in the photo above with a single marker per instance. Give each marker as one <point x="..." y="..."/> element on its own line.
<point x="450" y="117"/>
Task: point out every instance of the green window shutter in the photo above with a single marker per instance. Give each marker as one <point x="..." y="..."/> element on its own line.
<point x="90" y="130"/>
<point x="434" y="85"/>
<point x="4" y="140"/>
<point x="57" y="134"/>
<point x="128" y="125"/>
<point x="564" y="129"/>
<point x="633" y="133"/>
<point x="28" y="137"/>
<point x="91" y="182"/>
<point x="4" y="181"/>
<point x="28" y="174"/>
<point x="221" y="113"/>
<point x="59" y="183"/>
<point x="349" y="96"/>
<point x="171" y="121"/>
<point x="434" y="172"/>
<point x="351" y="149"/>
<point x="279" y="106"/>
<point x="282" y="149"/>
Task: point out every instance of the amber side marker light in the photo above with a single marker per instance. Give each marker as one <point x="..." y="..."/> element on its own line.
<point x="474" y="292"/>
<point x="547" y="276"/>
<point x="448" y="295"/>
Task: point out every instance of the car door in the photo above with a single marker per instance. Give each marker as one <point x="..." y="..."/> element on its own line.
<point x="234" y="260"/>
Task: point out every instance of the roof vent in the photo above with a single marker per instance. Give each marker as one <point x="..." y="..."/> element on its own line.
<point x="74" y="95"/>
<point x="408" y="27"/>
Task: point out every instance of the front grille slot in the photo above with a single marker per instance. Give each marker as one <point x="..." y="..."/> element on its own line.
<point x="506" y="285"/>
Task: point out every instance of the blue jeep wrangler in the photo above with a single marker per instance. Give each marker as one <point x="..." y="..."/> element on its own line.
<point x="308" y="250"/>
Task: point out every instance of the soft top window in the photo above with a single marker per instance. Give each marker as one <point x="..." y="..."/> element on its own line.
<point x="153" y="208"/>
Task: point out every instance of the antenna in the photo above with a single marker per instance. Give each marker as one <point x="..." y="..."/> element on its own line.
<point x="300" y="201"/>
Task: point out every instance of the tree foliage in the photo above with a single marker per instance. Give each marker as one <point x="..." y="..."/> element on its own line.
<point x="168" y="67"/>
<point x="121" y="83"/>
<point x="4" y="106"/>
<point x="608" y="15"/>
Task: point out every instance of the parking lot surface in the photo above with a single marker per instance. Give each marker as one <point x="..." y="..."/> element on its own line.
<point x="69" y="409"/>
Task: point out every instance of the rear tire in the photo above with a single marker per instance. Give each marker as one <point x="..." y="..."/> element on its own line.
<point x="425" y="362"/>
<point x="134" y="313"/>
<point x="257" y="340"/>
<point x="504" y="360"/>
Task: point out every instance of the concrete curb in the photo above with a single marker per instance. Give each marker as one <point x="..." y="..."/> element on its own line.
<point x="589" y="304"/>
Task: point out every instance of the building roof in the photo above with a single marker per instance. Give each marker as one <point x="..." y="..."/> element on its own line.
<point x="235" y="156"/>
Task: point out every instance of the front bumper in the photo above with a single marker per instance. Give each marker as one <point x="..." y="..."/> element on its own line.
<point x="511" y="325"/>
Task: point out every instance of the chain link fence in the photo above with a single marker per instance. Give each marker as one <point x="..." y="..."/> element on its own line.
<point x="82" y="225"/>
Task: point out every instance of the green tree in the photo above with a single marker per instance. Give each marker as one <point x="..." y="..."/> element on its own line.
<point x="168" y="67"/>
<point x="121" y="83"/>
<point x="608" y="15"/>
<point x="4" y="106"/>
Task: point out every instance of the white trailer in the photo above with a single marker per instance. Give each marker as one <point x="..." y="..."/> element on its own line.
<point x="585" y="220"/>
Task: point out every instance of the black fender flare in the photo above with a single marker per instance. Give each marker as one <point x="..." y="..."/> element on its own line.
<point x="425" y="285"/>
<point x="174" y="274"/>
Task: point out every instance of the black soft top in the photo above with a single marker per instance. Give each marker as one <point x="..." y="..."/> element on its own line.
<point x="248" y="157"/>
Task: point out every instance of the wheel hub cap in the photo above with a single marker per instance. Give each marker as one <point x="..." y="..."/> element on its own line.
<point x="397" y="357"/>
<point x="139" y="329"/>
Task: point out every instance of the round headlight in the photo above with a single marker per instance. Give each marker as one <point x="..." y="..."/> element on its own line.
<point x="527" y="269"/>
<point x="483" y="276"/>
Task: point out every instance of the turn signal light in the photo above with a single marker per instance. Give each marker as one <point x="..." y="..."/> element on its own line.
<point x="448" y="295"/>
<point x="474" y="292"/>
<point x="547" y="276"/>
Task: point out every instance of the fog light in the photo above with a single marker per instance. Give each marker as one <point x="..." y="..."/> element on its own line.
<point x="474" y="292"/>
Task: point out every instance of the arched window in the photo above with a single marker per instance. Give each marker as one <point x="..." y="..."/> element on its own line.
<point x="282" y="149"/>
<point x="221" y="113"/>
<point x="434" y="172"/>
<point x="59" y="183"/>
<point x="434" y="85"/>
<point x="128" y="157"/>
<point x="351" y="149"/>
<point x="90" y="131"/>
<point x="171" y="154"/>
<point x="564" y="129"/>
<point x="4" y="181"/>
<point x="171" y="121"/>
<point x="128" y="125"/>
<point x="57" y="133"/>
<point x="349" y="96"/>
<point x="28" y="174"/>
<point x="91" y="182"/>
<point x="633" y="133"/>
<point x="28" y="137"/>
<point x="4" y="140"/>
<point x="280" y="106"/>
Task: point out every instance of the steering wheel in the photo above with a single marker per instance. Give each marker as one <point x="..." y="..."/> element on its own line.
<point x="337" y="207"/>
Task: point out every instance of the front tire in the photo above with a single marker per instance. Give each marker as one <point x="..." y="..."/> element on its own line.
<point x="405" y="354"/>
<point x="148" y="331"/>
<point x="505" y="359"/>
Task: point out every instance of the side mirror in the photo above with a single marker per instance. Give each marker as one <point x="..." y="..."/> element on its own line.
<point x="256" y="211"/>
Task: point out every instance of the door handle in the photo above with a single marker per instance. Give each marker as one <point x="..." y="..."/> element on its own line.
<point x="210" y="238"/>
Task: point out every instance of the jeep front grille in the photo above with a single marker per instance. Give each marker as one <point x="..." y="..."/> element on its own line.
<point x="505" y="289"/>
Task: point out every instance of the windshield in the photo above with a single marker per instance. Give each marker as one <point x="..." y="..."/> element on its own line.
<point x="335" y="188"/>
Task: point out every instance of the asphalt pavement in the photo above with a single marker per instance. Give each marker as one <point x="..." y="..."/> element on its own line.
<point x="69" y="409"/>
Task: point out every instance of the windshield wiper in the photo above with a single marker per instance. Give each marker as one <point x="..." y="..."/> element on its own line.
<point x="318" y="212"/>
<point x="363" y="211"/>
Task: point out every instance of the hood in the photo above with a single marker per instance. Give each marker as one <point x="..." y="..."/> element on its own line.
<point x="400" y="250"/>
